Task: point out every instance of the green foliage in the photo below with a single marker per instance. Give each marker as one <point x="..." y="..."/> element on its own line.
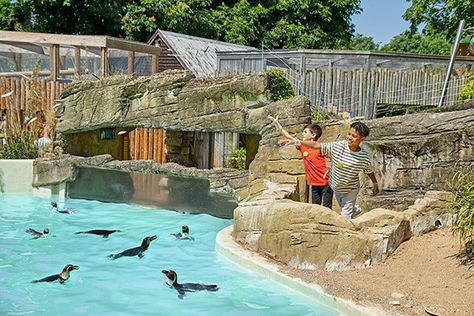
<point x="271" y="24"/>
<point x="463" y="206"/>
<point x="389" y="110"/>
<point x="426" y="44"/>
<point x="466" y="91"/>
<point x="440" y="16"/>
<point x="236" y="158"/>
<point x="362" y="42"/>
<point x="20" y="146"/>
<point x="317" y="115"/>
<point x="64" y="17"/>
<point x="279" y="84"/>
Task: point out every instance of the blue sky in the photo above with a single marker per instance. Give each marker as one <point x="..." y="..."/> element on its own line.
<point x="381" y="19"/>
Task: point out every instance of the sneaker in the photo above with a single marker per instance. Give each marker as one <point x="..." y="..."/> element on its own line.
<point x="357" y="209"/>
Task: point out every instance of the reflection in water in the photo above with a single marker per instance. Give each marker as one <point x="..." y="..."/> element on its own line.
<point x="171" y="192"/>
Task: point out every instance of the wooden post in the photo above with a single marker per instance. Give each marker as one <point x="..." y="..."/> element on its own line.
<point x="77" y="61"/>
<point x="154" y="64"/>
<point x="104" y="62"/>
<point x="54" y="61"/>
<point x="131" y="60"/>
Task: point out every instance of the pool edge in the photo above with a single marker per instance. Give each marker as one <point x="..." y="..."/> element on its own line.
<point x="228" y="248"/>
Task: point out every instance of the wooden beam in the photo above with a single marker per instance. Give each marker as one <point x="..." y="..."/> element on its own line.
<point x="41" y="73"/>
<point x="112" y="42"/>
<point x="77" y="40"/>
<point x="26" y="46"/>
<point x="60" y="39"/>
<point x="104" y="62"/>
<point x="131" y="61"/>
<point x="54" y="61"/>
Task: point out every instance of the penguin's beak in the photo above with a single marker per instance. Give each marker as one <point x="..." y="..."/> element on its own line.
<point x="164" y="271"/>
<point x="74" y="267"/>
<point x="153" y="237"/>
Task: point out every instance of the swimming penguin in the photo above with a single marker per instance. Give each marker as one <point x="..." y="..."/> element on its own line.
<point x="54" y="209"/>
<point x="137" y="251"/>
<point x="103" y="232"/>
<point x="61" y="277"/>
<point x="172" y="281"/>
<point x="184" y="234"/>
<point x="36" y="234"/>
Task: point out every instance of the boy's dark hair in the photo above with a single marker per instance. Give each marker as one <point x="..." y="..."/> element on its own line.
<point x="315" y="129"/>
<point x="361" y="128"/>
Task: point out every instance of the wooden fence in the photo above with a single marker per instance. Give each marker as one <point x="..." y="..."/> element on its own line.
<point x="360" y="91"/>
<point x="142" y="143"/>
<point x="146" y="144"/>
<point x="16" y="93"/>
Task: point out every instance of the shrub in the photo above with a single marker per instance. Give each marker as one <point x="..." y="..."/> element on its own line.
<point x="20" y="146"/>
<point x="279" y="84"/>
<point x="236" y="158"/>
<point x="466" y="91"/>
<point x="462" y="206"/>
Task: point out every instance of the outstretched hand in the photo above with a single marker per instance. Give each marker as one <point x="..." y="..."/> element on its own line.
<point x="276" y="123"/>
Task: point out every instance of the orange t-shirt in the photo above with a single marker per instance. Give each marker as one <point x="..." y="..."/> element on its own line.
<point x="314" y="165"/>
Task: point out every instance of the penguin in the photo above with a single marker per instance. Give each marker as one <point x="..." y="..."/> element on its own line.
<point x="184" y="234"/>
<point x="103" y="232"/>
<point x="36" y="234"/>
<point x="137" y="251"/>
<point x="54" y="209"/>
<point x="61" y="277"/>
<point x="172" y="281"/>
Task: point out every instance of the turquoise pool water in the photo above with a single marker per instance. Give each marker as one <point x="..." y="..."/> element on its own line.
<point x="128" y="285"/>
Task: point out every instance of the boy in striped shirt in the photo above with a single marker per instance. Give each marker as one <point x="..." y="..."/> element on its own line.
<point x="347" y="160"/>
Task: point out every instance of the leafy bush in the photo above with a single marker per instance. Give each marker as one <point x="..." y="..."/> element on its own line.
<point x="20" y="146"/>
<point x="463" y="206"/>
<point x="466" y="91"/>
<point x="279" y="84"/>
<point x="318" y="115"/>
<point x="236" y="158"/>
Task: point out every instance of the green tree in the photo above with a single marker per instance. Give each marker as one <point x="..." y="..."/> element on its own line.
<point x="362" y="42"/>
<point x="66" y="16"/>
<point x="427" y="44"/>
<point x="441" y="16"/>
<point x="14" y="16"/>
<point x="271" y="23"/>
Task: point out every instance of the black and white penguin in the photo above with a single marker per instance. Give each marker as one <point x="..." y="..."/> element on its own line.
<point x="137" y="251"/>
<point x="184" y="234"/>
<point x="55" y="209"/>
<point x="61" y="277"/>
<point x="172" y="281"/>
<point x="36" y="234"/>
<point x="102" y="232"/>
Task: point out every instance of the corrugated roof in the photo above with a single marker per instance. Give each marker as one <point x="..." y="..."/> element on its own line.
<point x="197" y="54"/>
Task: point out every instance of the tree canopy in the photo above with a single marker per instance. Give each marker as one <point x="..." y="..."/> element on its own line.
<point x="440" y="16"/>
<point x="425" y="44"/>
<point x="362" y="42"/>
<point x="271" y="23"/>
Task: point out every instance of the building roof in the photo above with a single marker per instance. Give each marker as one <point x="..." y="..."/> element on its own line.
<point x="197" y="54"/>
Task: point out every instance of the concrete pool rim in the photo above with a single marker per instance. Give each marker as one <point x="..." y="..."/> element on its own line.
<point x="229" y="249"/>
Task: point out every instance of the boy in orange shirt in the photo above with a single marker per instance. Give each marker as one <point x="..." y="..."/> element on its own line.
<point x="315" y="166"/>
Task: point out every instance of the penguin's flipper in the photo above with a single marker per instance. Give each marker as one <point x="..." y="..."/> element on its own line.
<point x="212" y="288"/>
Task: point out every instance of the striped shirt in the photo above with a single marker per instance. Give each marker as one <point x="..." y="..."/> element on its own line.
<point x="345" y="165"/>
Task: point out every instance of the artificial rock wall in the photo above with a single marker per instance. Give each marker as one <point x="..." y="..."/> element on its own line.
<point x="415" y="152"/>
